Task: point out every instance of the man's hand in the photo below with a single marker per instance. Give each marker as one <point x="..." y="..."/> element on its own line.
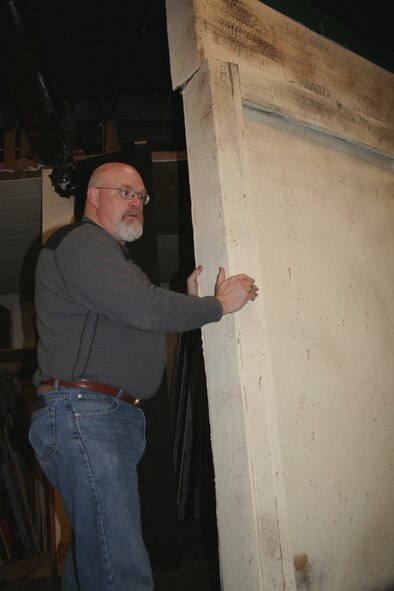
<point x="236" y="291"/>
<point x="233" y="293"/>
<point x="192" y="285"/>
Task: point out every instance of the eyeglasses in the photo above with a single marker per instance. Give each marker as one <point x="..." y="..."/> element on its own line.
<point x="128" y="193"/>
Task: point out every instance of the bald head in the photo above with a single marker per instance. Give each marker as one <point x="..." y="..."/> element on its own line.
<point x="122" y="218"/>
<point x="110" y="170"/>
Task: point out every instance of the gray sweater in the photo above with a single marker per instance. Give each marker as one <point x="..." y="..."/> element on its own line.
<point x="100" y="318"/>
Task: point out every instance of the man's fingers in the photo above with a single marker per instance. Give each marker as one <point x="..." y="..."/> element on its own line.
<point x="252" y="288"/>
<point x="192" y="286"/>
<point x="197" y="271"/>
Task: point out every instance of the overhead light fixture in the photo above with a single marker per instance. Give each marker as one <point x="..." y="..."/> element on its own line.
<point x="64" y="177"/>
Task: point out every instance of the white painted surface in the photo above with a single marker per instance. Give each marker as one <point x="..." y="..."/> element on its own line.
<point x="251" y="505"/>
<point x="325" y="217"/>
<point x="291" y="171"/>
<point x="182" y="39"/>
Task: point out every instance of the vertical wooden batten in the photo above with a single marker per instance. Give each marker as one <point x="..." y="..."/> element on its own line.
<point x="251" y="507"/>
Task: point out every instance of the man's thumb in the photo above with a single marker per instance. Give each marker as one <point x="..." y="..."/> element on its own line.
<point x="221" y="275"/>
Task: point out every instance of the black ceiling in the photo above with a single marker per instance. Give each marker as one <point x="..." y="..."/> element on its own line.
<point x="103" y="50"/>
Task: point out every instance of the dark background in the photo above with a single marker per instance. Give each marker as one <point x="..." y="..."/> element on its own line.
<point x="101" y="61"/>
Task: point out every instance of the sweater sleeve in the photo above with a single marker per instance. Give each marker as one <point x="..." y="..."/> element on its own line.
<point x="98" y="277"/>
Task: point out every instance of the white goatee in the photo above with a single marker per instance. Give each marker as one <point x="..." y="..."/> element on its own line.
<point x="130" y="232"/>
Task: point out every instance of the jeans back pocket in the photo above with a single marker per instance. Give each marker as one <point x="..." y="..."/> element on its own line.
<point x="42" y="433"/>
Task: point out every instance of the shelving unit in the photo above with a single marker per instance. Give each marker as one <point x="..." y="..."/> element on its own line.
<point x="23" y="492"/>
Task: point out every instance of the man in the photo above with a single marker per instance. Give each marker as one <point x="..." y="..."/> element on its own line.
<point x="101" y="327"/>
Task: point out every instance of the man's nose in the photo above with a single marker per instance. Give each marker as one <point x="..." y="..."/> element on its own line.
<point x="135" y="201"/>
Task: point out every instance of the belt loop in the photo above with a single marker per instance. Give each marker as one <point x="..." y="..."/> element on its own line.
<point x="119" y="393"/>
<point x="56" y="384"/>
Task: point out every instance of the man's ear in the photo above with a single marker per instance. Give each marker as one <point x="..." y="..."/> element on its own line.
<point x="92" y="196"/>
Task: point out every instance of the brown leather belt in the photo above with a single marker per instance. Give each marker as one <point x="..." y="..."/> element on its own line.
<point x="96" y="387"/>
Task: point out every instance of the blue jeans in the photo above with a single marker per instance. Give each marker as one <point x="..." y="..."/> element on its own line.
<point x="89" y="444"/>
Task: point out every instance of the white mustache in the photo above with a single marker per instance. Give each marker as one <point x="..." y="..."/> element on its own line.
<point x="133" y="213"/>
